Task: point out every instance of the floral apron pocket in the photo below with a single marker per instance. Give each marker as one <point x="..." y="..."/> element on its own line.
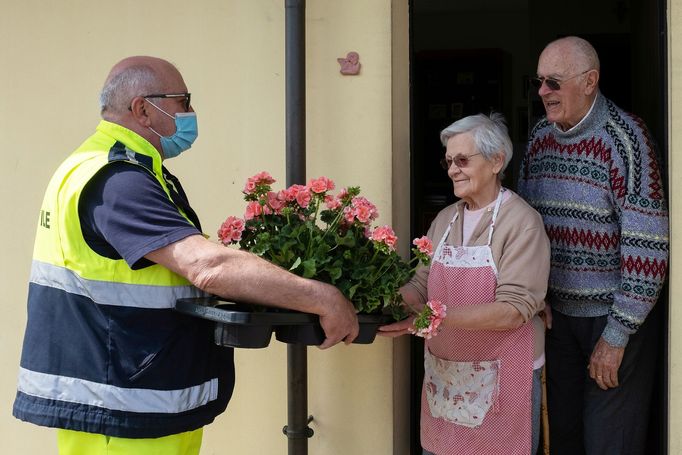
<point x="461" y="392"/>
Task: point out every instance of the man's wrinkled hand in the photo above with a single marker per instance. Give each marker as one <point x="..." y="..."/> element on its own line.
<point x="339" y="322"/>
<point x="604" y="364"/>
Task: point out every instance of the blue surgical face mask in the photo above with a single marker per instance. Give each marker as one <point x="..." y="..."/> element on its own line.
<point x="186" y="132"/>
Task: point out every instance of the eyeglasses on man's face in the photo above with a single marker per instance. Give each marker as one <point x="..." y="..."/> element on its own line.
<point x="187" y="102"/>
<point x="551" y="83"/>
<point x="459" y="161"/>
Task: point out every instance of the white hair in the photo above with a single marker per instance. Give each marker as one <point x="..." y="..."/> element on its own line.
<point x="490" y="135"/>
<point x="119" y="90"/>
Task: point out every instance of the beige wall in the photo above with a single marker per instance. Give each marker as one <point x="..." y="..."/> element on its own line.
<point x="55" y="56"/>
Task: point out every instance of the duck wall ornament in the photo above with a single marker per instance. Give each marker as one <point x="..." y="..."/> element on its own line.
<point x="350" y="65"/>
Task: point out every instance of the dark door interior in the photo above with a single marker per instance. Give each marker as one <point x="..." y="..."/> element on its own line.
<point x="476" y="56"/>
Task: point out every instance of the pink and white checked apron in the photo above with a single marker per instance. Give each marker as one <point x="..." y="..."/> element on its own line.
<point x="476" y="397"/>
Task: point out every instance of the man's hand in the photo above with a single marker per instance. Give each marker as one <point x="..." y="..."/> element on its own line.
<point x="604" y="364"/>
<point x="397" y="328"/>
<point x="339" y="321"/>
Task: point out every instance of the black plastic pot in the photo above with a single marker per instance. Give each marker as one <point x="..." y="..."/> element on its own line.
<point x="369" y="324"/>
<point x="243" y="336"/>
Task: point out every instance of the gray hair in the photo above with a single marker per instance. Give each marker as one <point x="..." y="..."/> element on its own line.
<point x="119" y="90"/>
<point x="489" y="133"/>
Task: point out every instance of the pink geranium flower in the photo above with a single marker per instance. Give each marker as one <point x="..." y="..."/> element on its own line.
<point x="427" y="323"/>
<point x="253" y="209"/>
<point x="360" y="209"/>
<point x="363" y="214"/>
<point x="276" y="201"/>
<point x="261" y="179"/>
<point x="321" y="185"/>
<point x="231" y="230"/>
<point x="385" y="235"/>
<point x="332" y="203"/>
<point x="291" y="192"/>
<point x="424" y="245"/>
<point x="349" y="214"/>
<point x="249" y="187"/>
<point x="303" y="197"/>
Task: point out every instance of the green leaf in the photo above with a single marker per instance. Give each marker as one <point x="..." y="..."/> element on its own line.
<point x="296" y="263"/>
<point x="309" y="268"/>
<point x="351" y="291"/>
<point x="346" y="240"/>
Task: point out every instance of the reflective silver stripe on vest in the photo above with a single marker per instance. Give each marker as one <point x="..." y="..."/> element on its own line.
<point x="108" y="293"/>
<point x="74" y="390"/>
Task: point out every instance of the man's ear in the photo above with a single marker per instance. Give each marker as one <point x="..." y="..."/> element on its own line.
<point x="139" y="111"/>
<point x="591" y="82"/>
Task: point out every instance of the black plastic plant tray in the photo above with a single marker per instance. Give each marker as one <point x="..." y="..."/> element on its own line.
<point x="241" y="313"/>
<point x="247" y="326"/>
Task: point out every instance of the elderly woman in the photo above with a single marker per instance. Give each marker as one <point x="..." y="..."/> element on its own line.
<point x="481" y="392"/>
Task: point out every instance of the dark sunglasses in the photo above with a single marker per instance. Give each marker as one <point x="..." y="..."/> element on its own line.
<point x="551" y="83"/>
<point x="459" y="160"/>
<point x="187" y="98"/>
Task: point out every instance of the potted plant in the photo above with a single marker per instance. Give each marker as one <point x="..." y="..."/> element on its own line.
<point x="314" y="234"/>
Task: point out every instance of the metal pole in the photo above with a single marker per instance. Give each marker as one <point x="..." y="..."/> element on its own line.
<point x="296" y="430"/>
<point x="295" y="91"/>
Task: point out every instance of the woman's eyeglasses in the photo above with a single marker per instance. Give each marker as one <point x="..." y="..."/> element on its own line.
<point x="187" y="102"/>
<point x="551" y="83"/>
<point x="458" y="160"/>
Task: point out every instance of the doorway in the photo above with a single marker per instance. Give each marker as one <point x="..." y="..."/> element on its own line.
<point x="469" y="57"/>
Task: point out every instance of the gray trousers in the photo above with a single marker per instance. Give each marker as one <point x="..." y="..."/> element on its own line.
<point x="583" y="419"/>
<point x="535" y="412"/>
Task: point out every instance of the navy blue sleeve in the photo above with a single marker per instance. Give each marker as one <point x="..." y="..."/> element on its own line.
<point x="125" y="213"/>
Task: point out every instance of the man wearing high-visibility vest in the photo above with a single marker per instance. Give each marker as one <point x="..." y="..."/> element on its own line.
<point x="106" y="359"/>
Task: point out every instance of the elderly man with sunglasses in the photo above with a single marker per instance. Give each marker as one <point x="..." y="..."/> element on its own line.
<point x="106" y="359"/>
<point x="592" y="172"/>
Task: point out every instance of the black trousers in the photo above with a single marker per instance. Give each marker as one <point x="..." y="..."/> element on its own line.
<point x="583" y="419"/>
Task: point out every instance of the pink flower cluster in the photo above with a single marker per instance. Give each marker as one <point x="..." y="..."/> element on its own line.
<point x="231" y="230"/>
<point x="321" y="185"/>
<point x="360" y="209"/>
<point x="254" y="209"/>
<point x="385" y="235"/>
<point x="271" y="202"/>
<point x="434" y="312"/>
<point x="252" y="183"/>
<point x="262" y="201"/>
<point x="276" y="201"/>
<point x="334" y="203"/>
<point x="424" y="245"/>
<point x="299" y="194"/>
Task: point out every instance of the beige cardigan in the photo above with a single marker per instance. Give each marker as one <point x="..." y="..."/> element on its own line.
<point x="520" y="248"/>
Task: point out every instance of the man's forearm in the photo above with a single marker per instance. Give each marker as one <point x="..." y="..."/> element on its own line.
<point x="241" y="276"/>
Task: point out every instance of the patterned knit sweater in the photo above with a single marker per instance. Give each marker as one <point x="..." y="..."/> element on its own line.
<point x="598" y="188"/>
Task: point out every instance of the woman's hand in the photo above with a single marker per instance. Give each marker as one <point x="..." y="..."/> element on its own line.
<point x="397" y="328"/>
<point x="546" y="316"/>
